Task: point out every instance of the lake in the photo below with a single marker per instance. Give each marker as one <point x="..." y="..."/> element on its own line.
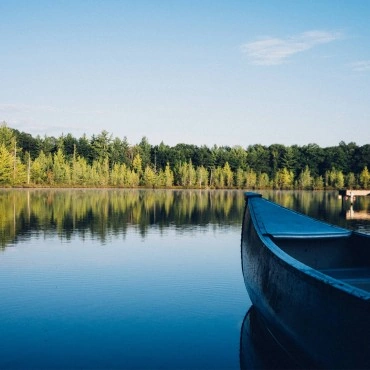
<point x="133" y="279"/>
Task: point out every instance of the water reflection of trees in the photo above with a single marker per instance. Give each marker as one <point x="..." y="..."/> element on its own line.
<point x="322" y="205"/>
<point x="100" y="213"/>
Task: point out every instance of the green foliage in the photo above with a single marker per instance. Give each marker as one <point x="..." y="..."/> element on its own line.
<point x="6" y="136"/>
<point x="263" y="181"/>
<point x="334" y="179"/>
<point x="284" y="179"/>
<point x="350" y="180"/>
<point x="305" y="180"/>
<point x="61" y="169"/>
<point x="137" y="164"/>
<point x="202" y="176"/>
<point x="251" y="179"/>
<point x="6" y="165"/>
<point x="144" y="149"/>
<point x="218" y="178"/>
<point x="150" y="177"/>
<point x="168" y="177"/>
<point x="318" y="183"/>
<point x="41" y="169"/>
<point x="101" y="145"/>
<point x="365" y="178"/>
<point x="186" y="175"/>
<point x="103" y="161"/>
<point x="80" y="172"/>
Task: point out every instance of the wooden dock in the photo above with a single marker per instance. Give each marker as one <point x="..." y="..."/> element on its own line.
<point x="352" y="194"/>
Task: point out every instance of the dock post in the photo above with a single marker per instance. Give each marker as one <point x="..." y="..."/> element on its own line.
<point x="342" y="193"/>
<point x="351" y="197"/>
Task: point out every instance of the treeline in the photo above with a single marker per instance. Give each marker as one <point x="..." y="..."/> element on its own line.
<point x="104" y="161"/>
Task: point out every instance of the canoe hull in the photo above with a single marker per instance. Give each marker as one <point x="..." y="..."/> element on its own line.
<point x="320" y="324"/>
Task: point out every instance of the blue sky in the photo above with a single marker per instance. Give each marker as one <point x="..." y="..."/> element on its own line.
<point x="233" y="72"/>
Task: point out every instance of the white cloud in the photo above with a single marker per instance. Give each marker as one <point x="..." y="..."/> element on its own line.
<point x="274" y="51"/>
<point x="361" y="66"/>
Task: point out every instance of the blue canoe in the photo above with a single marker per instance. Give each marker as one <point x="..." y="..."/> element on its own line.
<point x="310" y="283"/>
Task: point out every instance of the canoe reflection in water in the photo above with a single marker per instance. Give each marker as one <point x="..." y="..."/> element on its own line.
<point x="259" y="349"/>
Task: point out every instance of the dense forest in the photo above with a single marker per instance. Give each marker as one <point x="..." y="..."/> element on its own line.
<point x="106" y="161"/>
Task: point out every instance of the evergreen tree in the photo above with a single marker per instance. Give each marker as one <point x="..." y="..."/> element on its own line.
<point x="6" y="136"/>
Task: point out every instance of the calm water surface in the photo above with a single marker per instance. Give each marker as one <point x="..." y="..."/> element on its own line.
<point x="134" y="279"/>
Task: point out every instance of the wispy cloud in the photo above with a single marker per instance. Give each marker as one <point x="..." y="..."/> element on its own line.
<point x="361" y="66"/>
<point x="41" y="119"/>
<point x="28" y="108"/>
<point x="25" y="108"/>
<point x="35" y="127"/>
<point x="274" y="51"/>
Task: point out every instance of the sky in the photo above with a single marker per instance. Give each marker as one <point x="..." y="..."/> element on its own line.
<point x="202" y="72"/>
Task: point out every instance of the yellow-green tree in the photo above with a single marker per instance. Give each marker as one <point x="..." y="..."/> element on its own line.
<point x="284" y="179"/>
<point x="137" y="164"/>
<point x="218" y="178"/>
<point x="6" y="166"/>
<point x="168" y="176"/>
<point x="61" y="169"/>
<point x="118" y="175"/>
<point x="133" y="179"/>
<point x="228" y="175"/>
<point x="80" y="172"/>
<point x="149" y="177"/>
<point x="240" y="178"/>
<point x="41" y="169"/>
<point x="6" y="137"/>
<point x="351" y="180"/>
<point x="305" y="180"/>
<point x="251" y="179"/>
<point x="334" y="178"/>
<point x="202" y="176"/>
<point x="187" y="174"/>
<point x="365" y="178"/>
<point x="318" y="183"/>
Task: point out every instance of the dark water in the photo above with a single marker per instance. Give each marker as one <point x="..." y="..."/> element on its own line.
<point x="133" y="279"/>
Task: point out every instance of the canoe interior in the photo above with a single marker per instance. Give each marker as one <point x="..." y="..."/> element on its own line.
<point x="343" y="258"/>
